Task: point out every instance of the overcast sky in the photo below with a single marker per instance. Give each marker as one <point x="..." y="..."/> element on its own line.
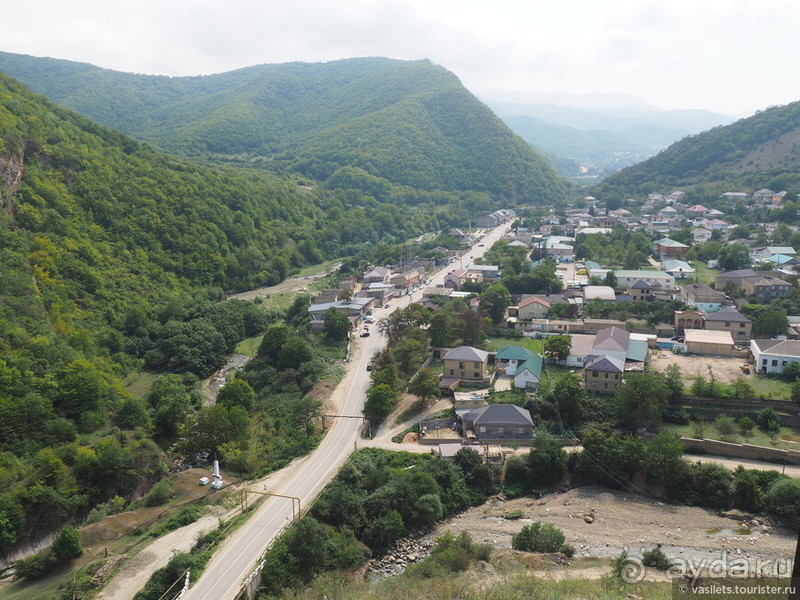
<point x="731" y="56"/>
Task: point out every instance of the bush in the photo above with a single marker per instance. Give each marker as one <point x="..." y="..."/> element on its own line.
<point x="180" y="517"/>
<point x="160" y="493"/>
<point x="36" y="566"/>
<point x="538" y="537"/>
<point x="768" y="420"/>
<point x="451" y="554"/>
<point x="726" y="426"/>
<point x="655" y="558"/>
<point x="783" y="499"/>
<point x="67" y="544"/>
<point x="567" y="550"/>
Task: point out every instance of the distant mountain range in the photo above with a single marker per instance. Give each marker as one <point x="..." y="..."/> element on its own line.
<point x="756" y="152"/>
<point x="600" y="132"/>
<point x="385" y="126"/>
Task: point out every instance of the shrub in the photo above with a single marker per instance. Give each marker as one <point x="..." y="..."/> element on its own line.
<point x="726" y="426"/>
<point x="655" y="558"/>
<point x="452" y="554"/>
<point x="538" y="537"/>
<point x="746" y="426"/>
<point x="768" y="419"/>
<point x="783" y="499"/>
<point x="568" y="550"/>
<point x="67" y="544"/>
<point x="36" y="566"/>
<point x="180" y="517"/>
<point x="160" y="493"/>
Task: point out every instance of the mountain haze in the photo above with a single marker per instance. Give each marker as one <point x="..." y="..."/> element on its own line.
<point x="760" y="151"/>
<point x="407" y="123"/>
<point x="604" y="131"/>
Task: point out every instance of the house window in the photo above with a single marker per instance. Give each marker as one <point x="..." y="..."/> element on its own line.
<point x="606" y="375"/>
<point x="606" y="385"/>
<point x="764" y="362"/>
<point x="482" y="429"/>
<point x="741" y="324"/>
<point x="783" y="364"/>
<point x="477" y="365"/>
<point x="595" y="374"/>
<point x="727" y="324"/>
<point x="476" y="375"/>
<point x="774" y="363"/>
<point x="452" y="372"/>
<point x="520" y="431"/>
<point x="461" y="366"/>
<point x="594" y="384"/>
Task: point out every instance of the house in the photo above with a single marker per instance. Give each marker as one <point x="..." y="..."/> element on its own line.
<point x="455" y="279"/>
<point x="765" y="288"/>
<point x="626" y="277"/>
<point x="466" y="363"/>
<point x="772" y="250"/>
<point x="580" y="349"/>
<point x="679" y="269"/>
<point x="376" y="275"/>
<point x="521" y="363"/>
<point x="531" y="308"/>
<point x="382" y="292"/>
<point x="697" y="209"/>
<point x="612" y="341"/>
<point x="701" y="236"/>
<point x="701" y="341"/>
<point x="770" y="356"/>
<point x="355" y="309"/>
<point x="688" y="319"/>
<point x="405" y="280"/>
<point x="487" y="272"/>
<point x="498" y="422"/>
<point x="597" y="325"/>
<point x="598" y="292"/>
<point x="640" y="290"/>
<point x="702" y="297"/>
<point x="730" y="320"/>
<point x="603" y="374"/>
<point x="734" y="279"/>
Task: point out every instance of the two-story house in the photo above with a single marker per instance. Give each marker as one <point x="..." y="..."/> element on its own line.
<point x="702" y="297"/>
<point x="466" y="363"/>
<point x="730" y="320"/>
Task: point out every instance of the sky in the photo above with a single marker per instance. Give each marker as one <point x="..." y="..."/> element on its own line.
<point x="728" y="56"/>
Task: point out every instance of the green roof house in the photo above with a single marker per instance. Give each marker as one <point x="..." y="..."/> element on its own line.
<point x="524" y="365"/>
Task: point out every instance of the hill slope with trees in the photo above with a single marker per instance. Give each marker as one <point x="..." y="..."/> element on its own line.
<point x="114" y="258"/>
<point x="760" y="151"/>
<point x="372" y="124"/>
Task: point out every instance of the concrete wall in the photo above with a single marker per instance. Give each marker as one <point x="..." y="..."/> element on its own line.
<point x="741" y="450"/>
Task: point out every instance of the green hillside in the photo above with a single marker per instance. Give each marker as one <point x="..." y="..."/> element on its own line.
<point x="408" y="124"/>
<point x="760" y="151"/>
<point x="113" y="258"/>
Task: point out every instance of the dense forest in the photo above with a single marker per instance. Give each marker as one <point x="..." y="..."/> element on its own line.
<point x="760" y="151"/>
<point x="116" y="258"/>
<point x="402" y="129"/>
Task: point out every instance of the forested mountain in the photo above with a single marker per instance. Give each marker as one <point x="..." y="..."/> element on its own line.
<point x="115" y="257"/>
<point x="372" y="124"/>
<point x="760" y="151"/>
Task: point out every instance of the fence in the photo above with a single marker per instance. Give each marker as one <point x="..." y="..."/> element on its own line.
<point x="741" y="450"/>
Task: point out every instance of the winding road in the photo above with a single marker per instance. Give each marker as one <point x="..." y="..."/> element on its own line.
<point x="239" y="555"/>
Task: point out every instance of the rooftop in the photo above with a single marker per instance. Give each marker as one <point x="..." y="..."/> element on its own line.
<point x="708" y="336"/>
<point x="467" y="353"/>
<point x="606" y="363"/>
<point x="790" y="348"/>
<point x="727" y="315"/>
<point x="500" y="414"/>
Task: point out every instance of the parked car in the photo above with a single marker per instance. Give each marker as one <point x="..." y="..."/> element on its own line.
<point x="369" y="320"/>
<point x="385" y="306"/>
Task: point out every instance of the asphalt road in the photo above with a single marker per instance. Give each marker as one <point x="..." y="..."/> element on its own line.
<point x="223" y="578"/>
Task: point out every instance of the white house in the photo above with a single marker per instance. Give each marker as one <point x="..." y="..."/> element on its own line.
<point x="770" y="356"/>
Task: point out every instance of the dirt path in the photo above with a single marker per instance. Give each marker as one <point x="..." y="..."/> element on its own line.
<point x="624" y="520"/>
<point x="292" y="284"/>
<point x="386" y="431"/>
<point x="135" y="572"/>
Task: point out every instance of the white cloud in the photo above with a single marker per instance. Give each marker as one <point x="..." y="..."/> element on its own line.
<point x="730" y="56"/>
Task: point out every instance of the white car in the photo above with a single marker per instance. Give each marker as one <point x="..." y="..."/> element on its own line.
<point x="369" y="320"/>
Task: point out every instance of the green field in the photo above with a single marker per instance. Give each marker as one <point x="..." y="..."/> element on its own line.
<point x="703" y="274"/>
<point x="249" y="346"/>
<point x="495" y="343"/>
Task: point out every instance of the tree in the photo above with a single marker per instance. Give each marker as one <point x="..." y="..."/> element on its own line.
<point x="494" y="301"/>
<point x="662" y="457"/>
<point x="538" y="537"/>
<point x="674" y="380"/>
<point x="725" y="426"/>
<point x="237" y="392"/>
<point x="443" y="328"/>
<point x="294" y="352"/>
<point x="791" y="371"/>
<point x="746" y="426"/>
<point x="474" y="327"/>
<point x="611" y="279"/>
<point x="770" y="323"/>
<point x="742" y="390"/>
<point x="271" y="343"/>
<point x="568" y="394"/>
<point x="336" y="326"/>
<point x="547" y="461"/>
<point x="557" y="347"/>
<point x="733" y="257"/>
<point x="67" y="544"/>
<point x="425" y="385"/>
<point x="783" y="499"/>
<point x="379" y="403"/>
<point x="408" y="355"/>
<point x="213" y="426"/>
<point x="641" y="400"/>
